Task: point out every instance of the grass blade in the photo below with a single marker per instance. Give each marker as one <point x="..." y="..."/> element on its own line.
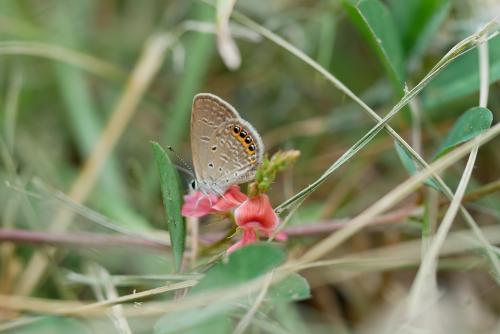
<point x="488" y="31"/>
<point x="396" y="195"/>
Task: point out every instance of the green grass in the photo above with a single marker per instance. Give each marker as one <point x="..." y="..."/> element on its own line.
<point x="384" y="100"/>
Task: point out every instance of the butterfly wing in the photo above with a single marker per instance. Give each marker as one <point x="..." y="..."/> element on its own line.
<point x="222" y="156"/>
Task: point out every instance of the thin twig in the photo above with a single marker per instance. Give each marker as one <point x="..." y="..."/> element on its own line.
<point x="79" y="239"/>
<point x="336" y="224"/>
<point x="88" y="239"/>
<point x="485" y="190"/>
<point x="193" y="224"/>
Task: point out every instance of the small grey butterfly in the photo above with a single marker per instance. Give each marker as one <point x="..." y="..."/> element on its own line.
<point x="226" y="149"/>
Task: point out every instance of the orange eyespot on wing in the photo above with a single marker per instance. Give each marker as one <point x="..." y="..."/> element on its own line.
<point x="246" y="140"/>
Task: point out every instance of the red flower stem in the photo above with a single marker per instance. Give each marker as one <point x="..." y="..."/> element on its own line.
<point x="79" y="239"/>
<point x="336" y="224"/>
<point x="111" y="240"/>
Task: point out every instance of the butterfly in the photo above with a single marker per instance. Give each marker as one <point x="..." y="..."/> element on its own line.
<point x="226" y="149"/>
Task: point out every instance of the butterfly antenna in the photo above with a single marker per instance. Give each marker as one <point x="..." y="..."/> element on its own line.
<point x="185" y="168"/>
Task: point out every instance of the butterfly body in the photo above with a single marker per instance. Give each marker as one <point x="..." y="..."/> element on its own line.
<point x="226" y="149"/>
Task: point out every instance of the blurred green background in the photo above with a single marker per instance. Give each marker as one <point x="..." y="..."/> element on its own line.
<point x="65" y="69"/>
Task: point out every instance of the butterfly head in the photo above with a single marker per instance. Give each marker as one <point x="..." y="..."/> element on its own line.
<point x="207" y="188"/>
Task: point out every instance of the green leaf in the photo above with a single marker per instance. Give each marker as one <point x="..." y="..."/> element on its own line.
<point x="210" y="319"/>
<point x="170" y="190"/>
<point x="472" y="123"/>
<point x="417" y="22"/>
<point x="377" y="25"/>
<point x="411" y="167"/>
<point x="461" y="78"/>
<point x="52" y="325"/>
<point x="292" y="288"/>
<point x="241" y="266"/>
<point x="220" y="324"/>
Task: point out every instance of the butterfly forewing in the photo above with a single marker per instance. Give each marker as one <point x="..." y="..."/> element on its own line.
<point x="226" y="149"/>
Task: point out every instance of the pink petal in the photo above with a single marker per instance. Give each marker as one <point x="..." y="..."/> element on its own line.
<point x="197" y="204"/>
<point x="257" y="213"/>
<point x="249" y="236"/>
<point x="232" y="198"/>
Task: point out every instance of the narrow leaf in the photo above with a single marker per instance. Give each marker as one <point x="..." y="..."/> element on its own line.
<point x="472" y="123"/>
<point x="170" y="190"/>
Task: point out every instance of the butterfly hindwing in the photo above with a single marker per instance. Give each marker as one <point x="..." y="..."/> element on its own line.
<point x="226" y="149"/>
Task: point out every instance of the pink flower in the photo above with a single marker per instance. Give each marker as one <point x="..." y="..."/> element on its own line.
<point x="249" y="236"/>
<point x="198" y="204"/>
<point x="232" y="197"/>
<point x="255" y="215"/>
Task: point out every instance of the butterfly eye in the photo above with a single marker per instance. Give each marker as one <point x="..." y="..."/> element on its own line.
<point x="193" y="184"/>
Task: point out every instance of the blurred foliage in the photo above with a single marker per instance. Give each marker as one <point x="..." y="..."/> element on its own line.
<point x="64" y="66"/>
